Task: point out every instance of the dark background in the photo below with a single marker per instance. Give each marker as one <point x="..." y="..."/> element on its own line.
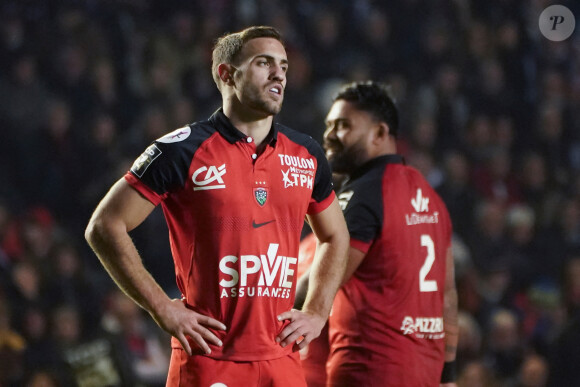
<point x="490" y="115"/>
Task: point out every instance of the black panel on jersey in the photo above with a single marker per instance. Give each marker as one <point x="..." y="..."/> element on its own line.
<point x="172" y="160"/>
<point x="364" y="211"/>
<point x="323" y="173"/>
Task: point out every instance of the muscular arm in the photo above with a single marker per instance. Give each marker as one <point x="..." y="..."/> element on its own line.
<point x="450" y="313"/>
<point x="330" y="260"/>
<point x="325" y="277"/>
<point x="121" y="210"/>
<point x="450" y="309"/>
<point x="355" y="257"/>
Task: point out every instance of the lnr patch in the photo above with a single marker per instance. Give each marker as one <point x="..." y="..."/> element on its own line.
<point x="144" y="161"/>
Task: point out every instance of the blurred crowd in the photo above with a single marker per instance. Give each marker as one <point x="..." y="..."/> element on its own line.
<point x="490" y="115"/>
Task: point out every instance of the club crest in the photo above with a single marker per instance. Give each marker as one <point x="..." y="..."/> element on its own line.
<point x="261" y="195"/>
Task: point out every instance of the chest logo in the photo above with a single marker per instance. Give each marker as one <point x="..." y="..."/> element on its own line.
<point x="420" y="203"/>
<point x="297" y="179"/>
<point x="261" y="195"/>
<point x="212" y="178"/>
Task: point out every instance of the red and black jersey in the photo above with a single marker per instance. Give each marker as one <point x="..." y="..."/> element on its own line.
<point x="388" y="318"/>
<point x="235" y="220"/>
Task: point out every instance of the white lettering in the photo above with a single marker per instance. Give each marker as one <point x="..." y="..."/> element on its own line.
<point x="247" y="272"/>
<point x="269" y="262"/>
<point x="414" y="218"/>
<point x="245" y="269"/>
<point x="295" y="161"/>
<point x="229" y="271"/>
<point x="288" y="273"/>
<point x="295" y="179"/>
<point x="421" y="325"/>
<point x="213" y="175"/>
<point x="282" y="273"/>
<point x="302" y="171"/>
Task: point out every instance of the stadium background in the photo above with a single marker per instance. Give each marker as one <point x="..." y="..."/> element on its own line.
<point x="490" y="115"/>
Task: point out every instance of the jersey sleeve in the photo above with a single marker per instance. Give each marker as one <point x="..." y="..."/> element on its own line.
<point x="364" y="215"/>
<point x="322" y="194"/>
<point x="162" y="167"/>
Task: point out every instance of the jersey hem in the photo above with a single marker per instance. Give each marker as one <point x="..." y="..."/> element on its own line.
<point x="360" y="245"/>
<point x="142" y="188"/>
<point x="317" y="207"/>
<point x="217" y="354"/>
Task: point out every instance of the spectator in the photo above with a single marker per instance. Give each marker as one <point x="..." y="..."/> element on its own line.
<point x="504" y="352"/>
<point x="143" y="343"/>
<point x="12" y="346"/>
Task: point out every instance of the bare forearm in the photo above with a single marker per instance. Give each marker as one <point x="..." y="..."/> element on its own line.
<point x="450" y="323"/>
<point x="117" y="253"/>
<point x="325" y="277"/>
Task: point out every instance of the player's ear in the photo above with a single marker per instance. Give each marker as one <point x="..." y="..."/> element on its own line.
<point x="226" y="73"/>
<point x="381" y="132"/>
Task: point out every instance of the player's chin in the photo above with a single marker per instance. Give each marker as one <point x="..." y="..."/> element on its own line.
<point x="331" y="155"/>
<point x="275" y="108"/>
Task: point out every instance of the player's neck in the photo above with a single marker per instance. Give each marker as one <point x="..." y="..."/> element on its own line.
<point x="389" y="147"/>
<point x="249" y="123"/>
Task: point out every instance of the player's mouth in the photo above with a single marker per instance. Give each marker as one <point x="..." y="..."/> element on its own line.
<point x="332" y="148"/>
<point x="331" y="152"/>
<point x="276" y="90"/>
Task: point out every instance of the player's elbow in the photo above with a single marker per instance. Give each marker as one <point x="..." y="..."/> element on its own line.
<point x="92" y="231"/>
<point x="96" y="230"/>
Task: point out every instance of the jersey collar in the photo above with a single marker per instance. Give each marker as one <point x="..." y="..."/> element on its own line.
<point x="223" y="125"/>
<point x="376" y="162"/>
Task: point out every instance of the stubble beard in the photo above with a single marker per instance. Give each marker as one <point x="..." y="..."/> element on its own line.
<point x="256" y="100"/>
<point x="269" y="107"/>
<point x="348" y="159"/>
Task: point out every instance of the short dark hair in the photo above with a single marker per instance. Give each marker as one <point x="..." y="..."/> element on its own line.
<point x="228" y="47"/>
<point x="374" y="98"/>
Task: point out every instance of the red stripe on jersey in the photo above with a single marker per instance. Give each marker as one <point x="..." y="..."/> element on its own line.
<point x="147" y="192"/>
<point x="360" y="245"/>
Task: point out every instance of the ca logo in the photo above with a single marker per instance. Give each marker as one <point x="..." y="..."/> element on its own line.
<point x="213" y="174"/>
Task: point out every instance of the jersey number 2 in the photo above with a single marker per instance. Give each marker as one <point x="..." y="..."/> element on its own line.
<point x="427" y="285"/>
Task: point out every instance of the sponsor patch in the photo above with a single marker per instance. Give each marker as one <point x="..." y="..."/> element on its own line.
<point x="423" y="327"/>
<point x="144" y="161"/>
<point x="260" y="275"/>
<point x="344" y="198"/>
<point x="206" y="178"/>
<point x="420" y="203"/>
<point x="176" y="136"/>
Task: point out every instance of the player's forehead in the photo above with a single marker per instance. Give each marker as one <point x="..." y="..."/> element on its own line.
<point x="344" y="110"/>
<point x="265" y="47"/>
